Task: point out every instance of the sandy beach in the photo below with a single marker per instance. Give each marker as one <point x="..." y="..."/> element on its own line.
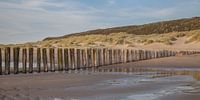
<point x="88" y="85"/>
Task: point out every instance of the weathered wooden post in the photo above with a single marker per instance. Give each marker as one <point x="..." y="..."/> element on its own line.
<point x="110" y="56"/>
<point x="84" y="57"/>
<point x="30" y="60"/>
<point x="88" y="57"/>
<point x="1" y="70"/>
<point x="66" y="59"/>
<point x="60" y="59"/>
<point x="7" y="60"/>
<point x="93" y="57"/>
<point x="141" y="54"/>
<point x="81" y="59"/>
<point x="78" y="56"/>
<point x="113" y="56"/>
<point x="127" y="55"/>
<point x="124" y="55"/>
<point x="52" y="59"/>
<point x="119" y="53"/>
<point x="132" y="55"/>
<point x="38" y="60"/>
<point x="44" y="59"/>
<point x="16" y="59"/>
<point x="75" y="59"/>
<point x="24" y="60"/>
<point x="147" y="53"/>
<point x="99" y="57"/>
<point x="72" y="59"/>
<point x="136" y="55"/>
<point x="104" y="56"/>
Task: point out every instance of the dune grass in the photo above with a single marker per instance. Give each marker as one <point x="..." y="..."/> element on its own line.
<point x="113" y="39"/>
<point x="120" y="38"/>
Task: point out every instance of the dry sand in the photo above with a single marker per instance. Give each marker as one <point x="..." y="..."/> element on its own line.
<point x="106" y="86"/>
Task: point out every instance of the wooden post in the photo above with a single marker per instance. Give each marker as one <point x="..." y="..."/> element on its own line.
<point x="121" y="55"/>
<point x="132" y="55"/>
<point x="1" y="70"/>
<point x="89" y="57"/>
<point x="93" y="57"/>
<point x="72" y="58"/>
<point x="124" y="55"/>
<point x="98" y="57"/>
<point x="7" y="60"/>
<point x="135" y="55"/>
<point x="16" y="60"/>
<point x="30" y="60"/>
<point x="127" y="55"/>
<point x="44" y="59"/>
<point x="60" y="59"/>
<point x="115" y="56"/>
<point x="84" y="57"/>
<point x="24" y="60"/>
<point x="110" y="56"/>
<point x="66" y="59"/>
<point x="38" y="60"/>
<point x="78" y="55"/>
<point x="104" y="56"/>
<point x="81" y="59"/>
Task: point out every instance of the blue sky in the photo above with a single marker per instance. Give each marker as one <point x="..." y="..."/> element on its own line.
<point x="33" y="20"/>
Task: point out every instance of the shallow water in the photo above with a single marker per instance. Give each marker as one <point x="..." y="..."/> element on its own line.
<point x="166" y="81"/>
<point x="107" y="84"/>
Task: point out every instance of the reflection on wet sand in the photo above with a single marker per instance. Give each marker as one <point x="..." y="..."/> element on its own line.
<point x="157" y="72"/>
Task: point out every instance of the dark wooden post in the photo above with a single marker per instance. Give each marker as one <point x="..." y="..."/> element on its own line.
<point x="127" y="55"/>
<point x="100" y="57"/>
<point x="140" y="54"/>
<point x="24" y="60"/>
<point x="89" y="57"/>
<point x="81" y="58"/>
<point x="114" y="56"/>
<point x="78" y="53"/>
<point x="7" y="60"/>
<point x="44" y="59"/>
<point x="66" y="59"/>
<point x="84" y="57"/>
<point x="30" y="60"/>
<point x="110" y="56"/>
<point x="1" y="70"/>
<point x="52" y="59"/>
<point x="72" y="58"/>
<point x="38" y="60"/>
<point x="16" y="60"/>
<point x="104" y="56"/>
<point x="60" y="59"/>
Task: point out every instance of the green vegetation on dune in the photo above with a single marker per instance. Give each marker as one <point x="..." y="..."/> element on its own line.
<point x="121" y="38"/>
<point x="146" y="29"/>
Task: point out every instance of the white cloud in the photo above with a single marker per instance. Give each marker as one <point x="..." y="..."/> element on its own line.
<point x="147" y="12"/>
<point x="111" y="2"/>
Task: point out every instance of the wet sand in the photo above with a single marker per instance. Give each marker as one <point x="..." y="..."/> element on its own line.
<point x="87" y="85"/>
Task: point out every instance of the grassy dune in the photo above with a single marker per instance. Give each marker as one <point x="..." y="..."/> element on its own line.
<point x="121" y="38"/>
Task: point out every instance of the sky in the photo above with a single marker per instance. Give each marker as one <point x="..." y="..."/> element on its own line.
<point x="32" y="20"/>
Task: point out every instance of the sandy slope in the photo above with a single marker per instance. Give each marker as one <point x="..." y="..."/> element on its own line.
<point x="179" y="44"/>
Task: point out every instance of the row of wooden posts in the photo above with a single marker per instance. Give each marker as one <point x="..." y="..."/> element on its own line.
<point x="28" y="60"/>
